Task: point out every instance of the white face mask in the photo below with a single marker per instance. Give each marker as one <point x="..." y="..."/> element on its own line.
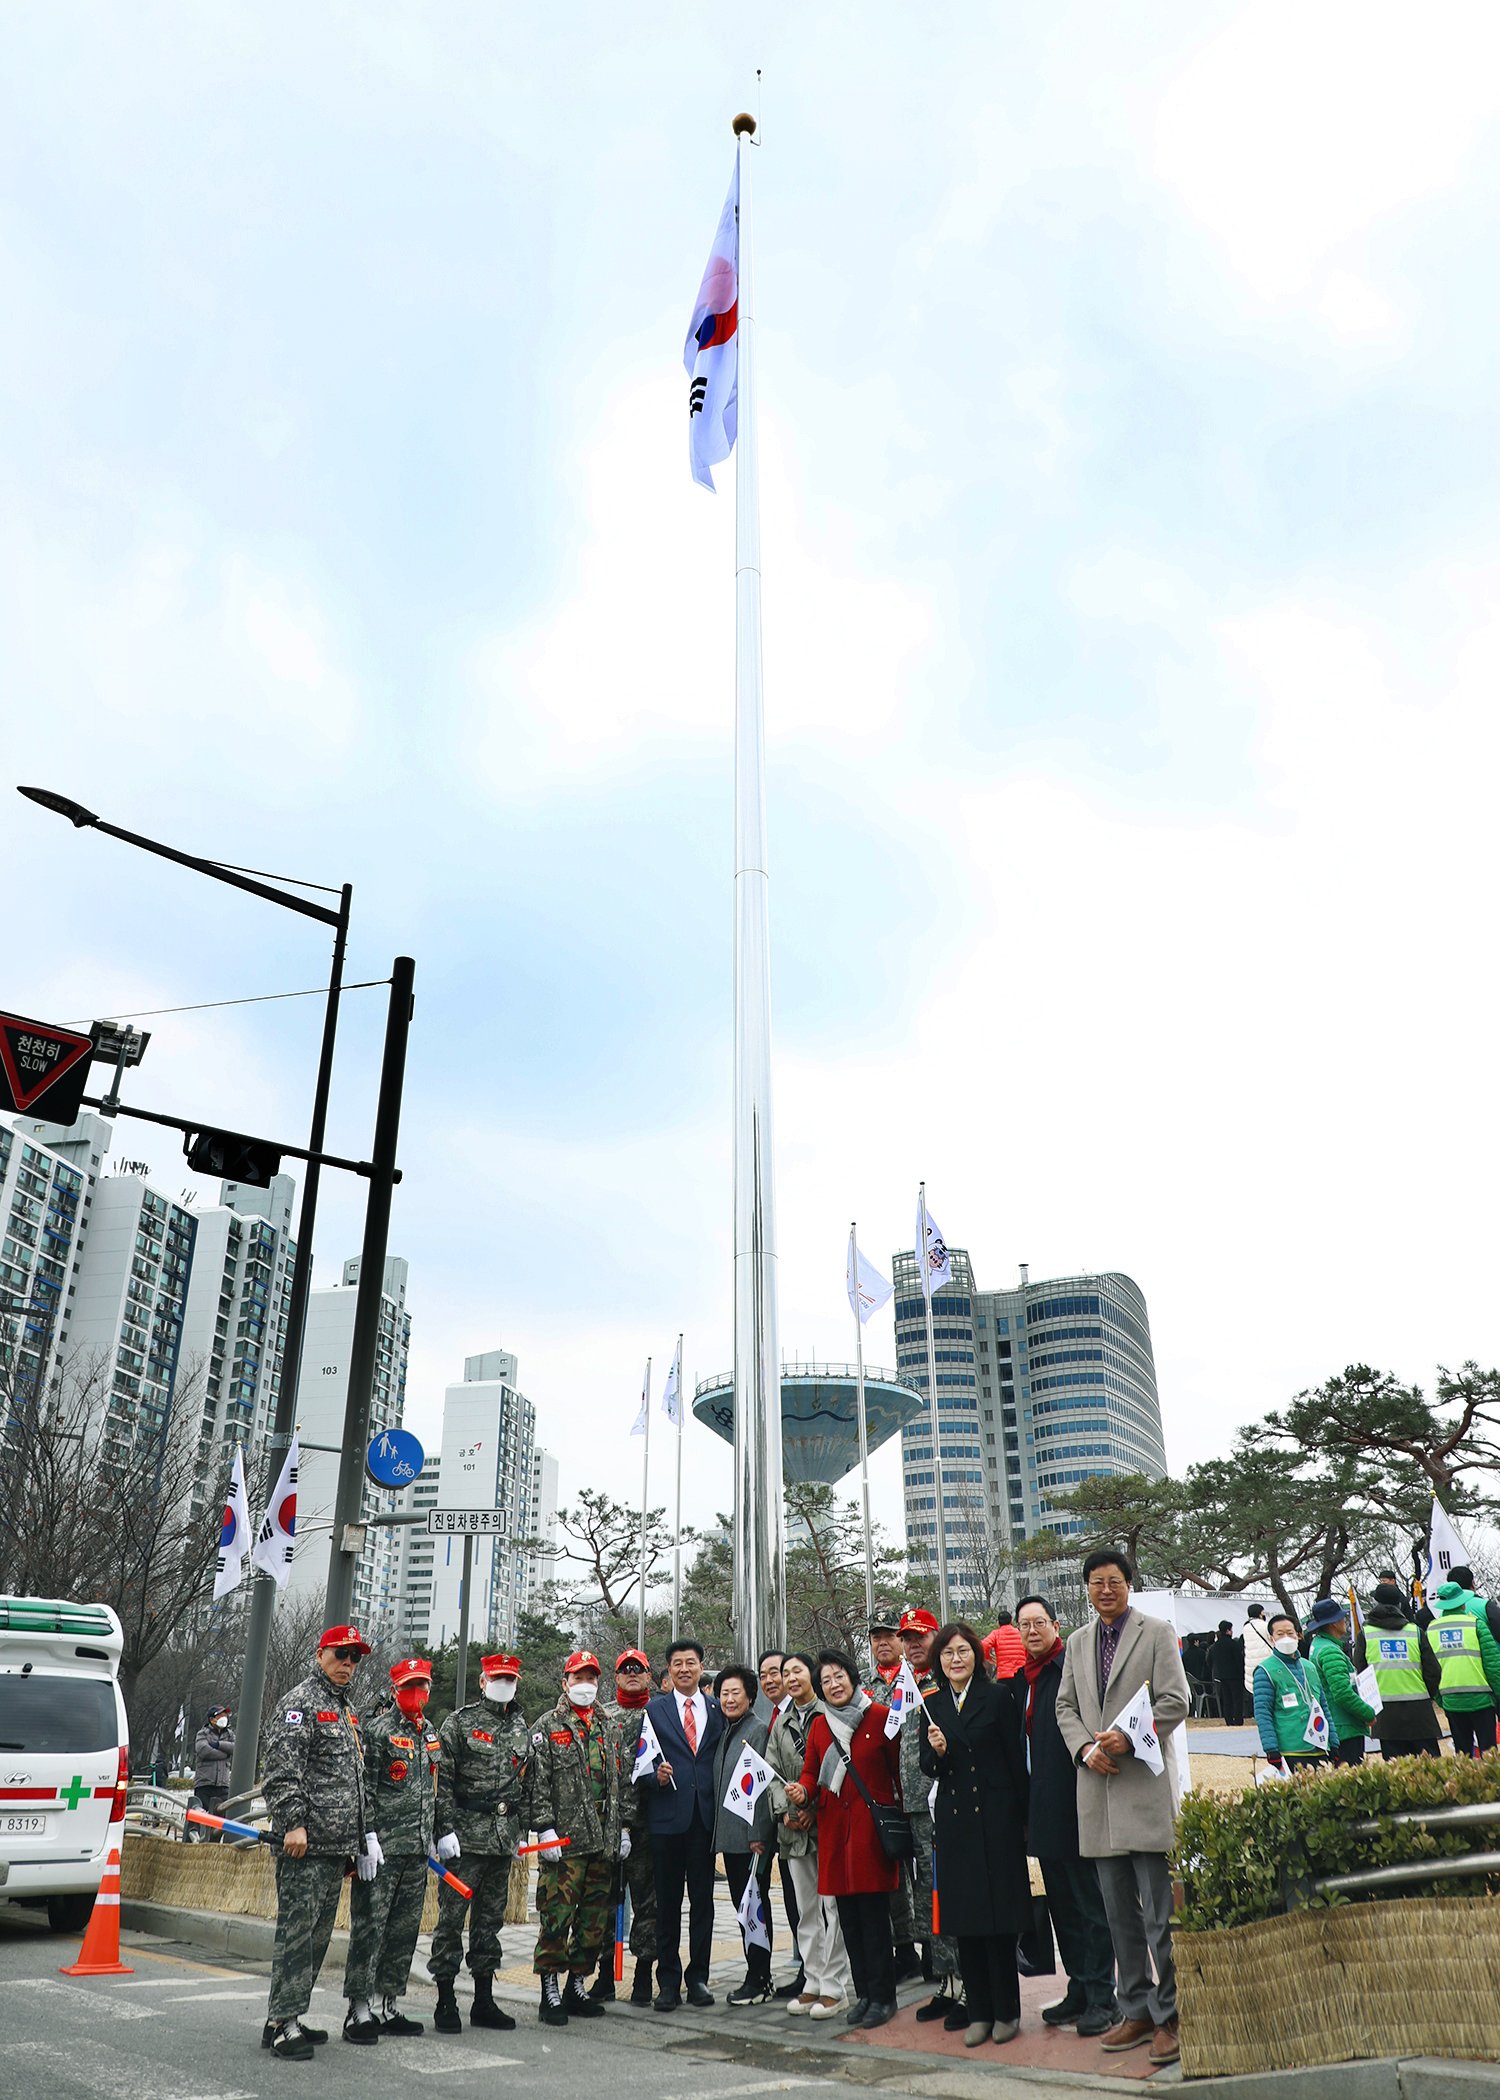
<point x="1284" y="1644"/>
<point x="500" y="1689"/>
<point x="583" y="1694"/>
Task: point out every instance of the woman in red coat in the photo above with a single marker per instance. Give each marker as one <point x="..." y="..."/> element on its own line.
<point x="852" y="1865"/>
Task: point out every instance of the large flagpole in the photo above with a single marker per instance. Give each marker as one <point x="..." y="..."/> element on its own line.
<point x="677" y="1527"/>
<point x="859" y="1404"/>
<point x="759" y="1518"/>
<point x="640" y="1616"/>
<point x="932" y="1405"/>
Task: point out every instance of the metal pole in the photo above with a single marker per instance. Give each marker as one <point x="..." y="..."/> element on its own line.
<point x="859" y="1403"/>
<point x="342" y="1554"/>
<point x="677" y="1528"/>
<point x="759" y="1512"/>
<point x="932" y="1406"/>
<point x="640" y="1612"/>
<point x="460" y="1682"/>
<point x="263" y="1590"/>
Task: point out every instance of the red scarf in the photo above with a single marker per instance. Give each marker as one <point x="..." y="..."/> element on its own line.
<point x="632" y="1700"/>
<point x="1033" y="1667"/>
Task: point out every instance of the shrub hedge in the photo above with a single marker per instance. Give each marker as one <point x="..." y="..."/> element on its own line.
<point x="1255" y="1857"/>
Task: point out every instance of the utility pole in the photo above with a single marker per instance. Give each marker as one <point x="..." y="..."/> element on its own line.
<point x="348" y="1534"/>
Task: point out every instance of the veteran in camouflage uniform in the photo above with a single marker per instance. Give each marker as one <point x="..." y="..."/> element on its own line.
<point x="315" y="1791"/>
<point x="940" y="1953"/>
<point x="637" y="1873"/>
<point x="885" y="1646"/>
<point x="483" y="1749"/>
<point x="385" y="1906"/>
<point x="574" y="1794"/>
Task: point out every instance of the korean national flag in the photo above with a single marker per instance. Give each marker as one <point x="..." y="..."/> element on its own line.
<point x="711" y="352"/>
<point x="1445" y="1549"/>
<point x="234" y="1539"/>
<point x="752" y="1775"/>
<point x="905" y="1698"/>
<point x="752" y="1916"/>
<point x="276" y="1538"/>
<point x="648" y="1751"/>
<point x="1137" y="1723"/>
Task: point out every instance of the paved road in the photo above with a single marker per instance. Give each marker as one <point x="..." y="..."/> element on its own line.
<point x="186" y="2028"/>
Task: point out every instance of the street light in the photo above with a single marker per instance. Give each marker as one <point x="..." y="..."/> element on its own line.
<point x="263" y="1591"/>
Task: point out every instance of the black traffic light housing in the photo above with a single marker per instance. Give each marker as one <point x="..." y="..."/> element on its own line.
<point x="232" y="1157"/>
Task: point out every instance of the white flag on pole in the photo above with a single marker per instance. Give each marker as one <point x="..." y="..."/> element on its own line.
<point x="870" y="1291"/>
<point x="671" y="1392"/>
<point x="1445" y="1550"/>
<point x="234" y="1539"/>
<point x="647" y="1751"/>
<point x="273" y="1542"/>
<point x="937" y="1269"/>
<point x="1137" y="1723"/>
<point x="905" y="1698"/>
<point x="711" y="352"/>
<point x="752" y="1775"/>
<point x="752" y="1917"/>
<point x="638" y="1426"/>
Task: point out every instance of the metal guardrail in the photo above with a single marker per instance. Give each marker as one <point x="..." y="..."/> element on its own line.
<point x="1467" y="1816"/>
<point x="155" y="1811"/>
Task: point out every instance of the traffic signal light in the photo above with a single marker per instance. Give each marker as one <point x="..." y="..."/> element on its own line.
<point x="231" y="1157"/>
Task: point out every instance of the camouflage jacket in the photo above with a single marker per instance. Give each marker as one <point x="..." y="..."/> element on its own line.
<point x="562" y="1793"/>
<point x="401" y="1757"/>
<point x="315" y="1769"/>
<point x="483" y="1750"/>
<point x="627" y="1720"/>
<point x="915" y="1785"/>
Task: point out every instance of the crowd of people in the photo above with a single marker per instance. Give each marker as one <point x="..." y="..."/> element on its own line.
<point x="900" y="1809"/>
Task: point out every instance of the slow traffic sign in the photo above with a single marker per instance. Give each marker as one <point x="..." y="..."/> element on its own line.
<point x="394" y="1458"/>
<point x="43" y="1069"/>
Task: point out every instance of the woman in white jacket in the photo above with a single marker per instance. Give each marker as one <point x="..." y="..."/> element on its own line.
<point x="1258" y="1647"/>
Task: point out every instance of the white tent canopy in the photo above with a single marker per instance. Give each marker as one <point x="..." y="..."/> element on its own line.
<point x="1199" y="1614"/>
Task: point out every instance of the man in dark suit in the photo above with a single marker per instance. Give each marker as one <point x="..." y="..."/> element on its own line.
<point x="680" y="1809"/>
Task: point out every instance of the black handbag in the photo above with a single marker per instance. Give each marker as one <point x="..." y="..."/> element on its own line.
<point x="891" y="1826"/>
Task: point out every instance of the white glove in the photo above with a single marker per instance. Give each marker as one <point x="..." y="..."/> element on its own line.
<point x="372" y="1849"/>
<point x="447" y="1848"/>
<point x="624" y="1844"/>
<point x="551" y="1849"/>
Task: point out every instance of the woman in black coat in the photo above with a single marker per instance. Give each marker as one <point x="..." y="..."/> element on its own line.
<point x="971" y="1744"/>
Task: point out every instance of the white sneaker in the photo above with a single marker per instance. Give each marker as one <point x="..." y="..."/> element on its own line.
<point x="803" y="2004"/>
<point x="827" y="2008"/>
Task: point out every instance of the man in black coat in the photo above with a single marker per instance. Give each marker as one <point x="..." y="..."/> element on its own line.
<point x="680" y="1809"/>
<point x="1227" y="1657"/>
<point x="1074" y="1897"/>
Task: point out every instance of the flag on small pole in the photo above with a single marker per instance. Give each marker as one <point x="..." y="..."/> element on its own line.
<point x="905" y="1698"/>
<point x="752" y="1917"/>
<point x="752" y="1776"/>
<point x="277" y="1535"/>
<point x="234" y="1538"/>
<point x="648" y="1752"/>
<point x="1136" y="1721"/>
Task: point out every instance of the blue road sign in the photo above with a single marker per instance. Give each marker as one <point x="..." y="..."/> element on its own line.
<point x="394" y="1458"/>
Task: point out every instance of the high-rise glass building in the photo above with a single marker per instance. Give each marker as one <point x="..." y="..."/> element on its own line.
<point x="1037" y="1388"/>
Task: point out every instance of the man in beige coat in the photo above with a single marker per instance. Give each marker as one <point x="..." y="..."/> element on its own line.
<point x="1127" y="1813"/>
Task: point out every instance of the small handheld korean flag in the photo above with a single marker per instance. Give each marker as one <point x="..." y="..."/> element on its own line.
<point x="1316" y="1731"/>
<point x="711" y="353"/>
<point x="868" y="1289"/>
<point x="1445" y="1549"/>
<point x="905" y="1699"/>
<point x="937" y="1269"/>
<point x="648" y="1751"/>
<point x="638" y="1426"/>
<point x="234" y="1539"/>
<point x="752" y="1775"/>
<point x="273" y="1542"/>
<point x="1136" y="1722"/>
<point x="671" y="1395"/>
<point x="752" y="1916"/>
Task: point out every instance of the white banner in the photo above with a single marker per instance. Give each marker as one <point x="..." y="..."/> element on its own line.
<point x="872" y="1290"/>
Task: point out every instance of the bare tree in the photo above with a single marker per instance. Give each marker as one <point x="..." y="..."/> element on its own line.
<point x="601" y="1538"/>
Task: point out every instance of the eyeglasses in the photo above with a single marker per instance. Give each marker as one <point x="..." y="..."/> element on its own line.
<point x="344" y="1655"/>
<point x="1106" y="1582"/>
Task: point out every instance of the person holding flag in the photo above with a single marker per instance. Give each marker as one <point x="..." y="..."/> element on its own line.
<point x="637" y="1872"/>
<point x="484" y="1751"/>
<point x="1291" y="1702"/>
<point x="574" y="1808"/>
<point x="940" y="1963"/>
<point x="889" y="1668"/>
<point x="743" y="1830"/>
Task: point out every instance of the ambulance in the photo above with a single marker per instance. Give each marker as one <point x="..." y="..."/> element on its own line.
<point x="64" y="1754"/>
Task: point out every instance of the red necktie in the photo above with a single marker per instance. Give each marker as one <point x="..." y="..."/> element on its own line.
<point x="690" y="1726"/>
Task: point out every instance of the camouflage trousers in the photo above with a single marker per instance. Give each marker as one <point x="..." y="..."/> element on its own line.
<point x="944" y="1947"/>
<point x="488" y="1875"/>
<point x="572" y="1908"/>
<point x="307" y="1898"/>
<point x="385" y="1916"/>
<point x="638" y="1875"/>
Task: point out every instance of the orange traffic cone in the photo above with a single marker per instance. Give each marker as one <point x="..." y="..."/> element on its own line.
<point x="100" y="1952"/>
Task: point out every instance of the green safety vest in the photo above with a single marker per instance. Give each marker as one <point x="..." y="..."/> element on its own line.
<point x="1292" y="1706"/>
<point x="1396" y="1660"/>
<point x="1454" y="1640"/>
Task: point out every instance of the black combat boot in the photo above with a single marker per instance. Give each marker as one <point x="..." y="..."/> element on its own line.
<point x="552" y="2011"/>
<point x="484" y="2012"/>
<point x="360" y="2023"/>
<point x="393" y="2020"/>
<point x="290" y="2042"/>
<point x="314" y="2034"/>
<point x="640" y="1990"/>
<point x="447" y="2019"/>
<point x="602" y="1989"/>
<point x="579" y="2003"/>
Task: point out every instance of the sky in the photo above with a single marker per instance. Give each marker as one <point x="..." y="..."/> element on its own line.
<point x="1131" y="551"/>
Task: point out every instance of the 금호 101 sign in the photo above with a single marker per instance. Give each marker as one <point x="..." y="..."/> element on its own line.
<point x="480" y="1521"/>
